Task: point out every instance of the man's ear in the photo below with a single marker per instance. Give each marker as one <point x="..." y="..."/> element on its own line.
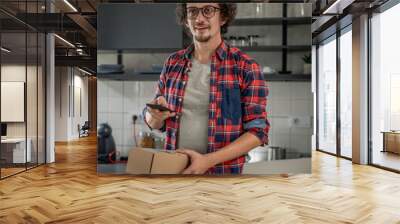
<point x="186" y="26"/>
<point x="223" y="21"/>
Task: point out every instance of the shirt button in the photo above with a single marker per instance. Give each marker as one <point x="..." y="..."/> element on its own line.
<point x="180" y="99"/>
<point x="177" y="116"/>
<point x="184" y="82"/>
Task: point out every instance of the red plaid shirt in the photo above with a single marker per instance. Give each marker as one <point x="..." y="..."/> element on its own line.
<point x="237" y="102"/>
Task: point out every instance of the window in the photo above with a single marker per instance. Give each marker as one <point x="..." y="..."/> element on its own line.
<point x="385" y="85"/>
<point x="346" y="93"/>
<point x="327" y="96"/>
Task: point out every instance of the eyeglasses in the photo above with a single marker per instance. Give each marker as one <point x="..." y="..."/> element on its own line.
<point x="207" y="11"/>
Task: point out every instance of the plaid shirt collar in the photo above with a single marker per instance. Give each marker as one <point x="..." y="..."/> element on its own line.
<point x="222" y="50"/>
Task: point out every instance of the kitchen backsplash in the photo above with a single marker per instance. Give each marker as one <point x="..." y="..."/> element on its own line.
<point x="290" y="111"/>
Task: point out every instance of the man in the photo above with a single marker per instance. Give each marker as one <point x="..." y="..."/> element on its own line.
<point x="217" y="93"/>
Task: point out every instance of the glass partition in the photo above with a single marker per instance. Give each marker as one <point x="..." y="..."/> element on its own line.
<point x="41" y="107"/>
<point x="31" y="98"/>
<point x="14" y="154"/>
<point x="22" y="92"/>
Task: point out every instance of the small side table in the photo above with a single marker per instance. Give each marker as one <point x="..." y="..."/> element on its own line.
<point x="391" y="141"/>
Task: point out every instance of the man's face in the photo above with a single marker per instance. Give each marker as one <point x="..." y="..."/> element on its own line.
<point x="204" y="27"/>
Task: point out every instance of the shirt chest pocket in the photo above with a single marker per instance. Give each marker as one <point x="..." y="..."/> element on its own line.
<point x="231" y="103"/>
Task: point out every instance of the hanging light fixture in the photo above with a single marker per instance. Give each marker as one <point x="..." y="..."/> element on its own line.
<point x="84" y="71"/>
<point x="64" y="40"/>
<point x="5" y="50"/>
<point x="70" y="5"/>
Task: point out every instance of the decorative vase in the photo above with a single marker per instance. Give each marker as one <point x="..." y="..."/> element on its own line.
<point x="307" y="69"/>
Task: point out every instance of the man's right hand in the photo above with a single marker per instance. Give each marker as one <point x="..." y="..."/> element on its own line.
<point x="154" y="117"/>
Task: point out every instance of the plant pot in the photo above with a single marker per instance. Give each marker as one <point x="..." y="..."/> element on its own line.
<point x="307" y="69"/>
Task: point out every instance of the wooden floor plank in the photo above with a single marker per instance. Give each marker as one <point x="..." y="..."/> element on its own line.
<point x="70" y="191"/>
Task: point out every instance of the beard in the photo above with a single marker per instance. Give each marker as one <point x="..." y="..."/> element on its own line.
<point x="202" y="38"/>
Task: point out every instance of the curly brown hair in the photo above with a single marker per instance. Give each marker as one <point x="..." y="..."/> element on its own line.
<point x="228" y="12"/>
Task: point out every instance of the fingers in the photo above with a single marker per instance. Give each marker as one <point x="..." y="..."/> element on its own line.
<point x="162" y="101"/>
<point x="160" y="115"/>
<point x="190" y="170"/>
<point x="188" y="152"/>
<point x="181" y="151"/>
<point x="170" y="114"/>
<point x="185" y="151"/>
<point x="187" y="171"/>
<point x="157" y="114"/>
<point x="154" y="101"/>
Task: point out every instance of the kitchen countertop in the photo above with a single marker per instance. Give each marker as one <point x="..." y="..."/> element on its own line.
<point x="287" y="166"/>
<point x="117" y="168"/>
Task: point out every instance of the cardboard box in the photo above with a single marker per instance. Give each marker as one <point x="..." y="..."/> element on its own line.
<point x="151" y="161"/>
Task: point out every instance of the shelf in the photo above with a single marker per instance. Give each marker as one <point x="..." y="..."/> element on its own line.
<point x="277" y="48"/>
<point x="271" y="21"/>
<point x="131" y="77"/>
<point x="288" y="77"/>
<point x="140" y="50"/>
<point x="156" y="76"/>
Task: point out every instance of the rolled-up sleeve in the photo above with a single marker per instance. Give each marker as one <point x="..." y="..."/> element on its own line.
<point x="160" y="91"/>
<point x="254" y="103"/>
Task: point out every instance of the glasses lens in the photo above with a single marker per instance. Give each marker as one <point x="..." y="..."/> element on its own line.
<point x="192" y="12"/>
<point x="208" y="11"/>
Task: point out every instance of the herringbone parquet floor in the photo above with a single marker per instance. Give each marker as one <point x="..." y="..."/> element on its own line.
<point x="70" y="191"/>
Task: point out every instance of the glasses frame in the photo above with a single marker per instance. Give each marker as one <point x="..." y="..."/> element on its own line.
<point x="202" y="9"/>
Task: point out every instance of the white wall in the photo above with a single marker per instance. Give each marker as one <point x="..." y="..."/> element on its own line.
<point x="68" y="80"/>
<point x="61" y="103"/>
<point x="288" y="101"/>
<point x="14" y="72"/>
<point x="33" y="125"/>
<point x="17" y="73"/>
<point x="80" y="83"/>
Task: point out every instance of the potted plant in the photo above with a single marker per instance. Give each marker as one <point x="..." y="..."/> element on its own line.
<point x="307" y="64"/>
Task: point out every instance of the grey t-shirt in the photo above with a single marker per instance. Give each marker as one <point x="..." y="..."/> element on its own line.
<point x="193" y="130"/>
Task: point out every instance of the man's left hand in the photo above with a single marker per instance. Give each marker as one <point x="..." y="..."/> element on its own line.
<point x="199" y="163"/>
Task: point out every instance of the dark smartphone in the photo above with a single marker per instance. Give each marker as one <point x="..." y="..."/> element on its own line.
<point x="158" y="107"/>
